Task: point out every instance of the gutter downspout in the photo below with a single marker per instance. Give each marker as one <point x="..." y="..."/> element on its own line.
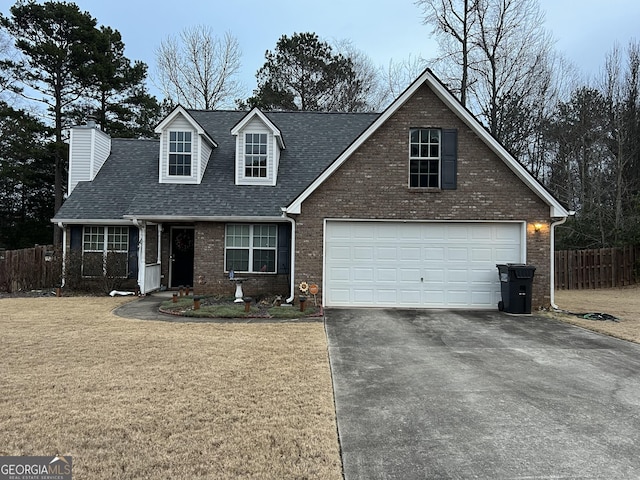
<point x="553" y="259"/>
<point x="64" y="254"/>
<point x="293" y="255"/>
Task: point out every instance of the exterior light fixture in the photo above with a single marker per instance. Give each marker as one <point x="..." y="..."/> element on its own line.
<point x="537" y="227"/>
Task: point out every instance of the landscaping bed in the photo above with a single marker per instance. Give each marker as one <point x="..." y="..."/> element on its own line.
<point x="226" y="307"/>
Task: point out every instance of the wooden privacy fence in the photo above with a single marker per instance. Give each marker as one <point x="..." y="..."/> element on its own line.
<point x="29" y="269"/>
<point x="597" y="268"/>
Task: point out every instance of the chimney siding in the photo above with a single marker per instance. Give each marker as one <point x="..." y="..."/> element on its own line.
<point x="88" y="150"/>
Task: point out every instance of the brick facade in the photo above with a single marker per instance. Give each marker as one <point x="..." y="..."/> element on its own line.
<point x="209" y="276"/>
<point x="373" y="184"/>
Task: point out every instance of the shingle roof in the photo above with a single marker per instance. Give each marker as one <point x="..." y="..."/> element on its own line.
<point x="127" y="184"/>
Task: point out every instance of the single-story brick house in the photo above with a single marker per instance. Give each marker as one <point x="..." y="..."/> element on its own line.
<point x="413" y="207"/>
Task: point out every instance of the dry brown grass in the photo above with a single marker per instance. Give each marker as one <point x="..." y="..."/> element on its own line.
<point x="623" y="303"/>
<point x="133" y="399"/>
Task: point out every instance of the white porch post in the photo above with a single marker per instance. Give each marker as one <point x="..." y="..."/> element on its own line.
<point x="142" y="263"/>
<point x="159" y="256"/>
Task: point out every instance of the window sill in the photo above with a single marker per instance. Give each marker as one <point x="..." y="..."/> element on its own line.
<point x="236" y="273"/>
<point x="424" y="189"/>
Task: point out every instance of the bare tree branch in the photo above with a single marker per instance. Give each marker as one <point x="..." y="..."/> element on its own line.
<point x="199" y="70"/>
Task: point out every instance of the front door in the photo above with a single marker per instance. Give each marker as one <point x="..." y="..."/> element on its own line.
<point x="182" y="256"/>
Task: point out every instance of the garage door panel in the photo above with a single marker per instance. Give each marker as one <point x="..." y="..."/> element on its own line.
<point x="389" y="254"/>
<point x="457" y="298"/>
<point x="434" y="234"/>
<point x="363" y="295"/>
<point x="340" y="296"/>
<point x="434" y="254"/>
<point x="410" y="254"/>
<point x="432" y="265"/>
<point x="435" y="276"/>
<point x="387" y="275"/>
<point x="363" y="253"/>
<point x="363" y="274"/>
<point x="457" y="276"/>
<point x="409" y="275"/>
<point x="410" y="297"/>
<point x="483" y="298"/>
<point x="337" y="274"/>
<point x="387" y="297"/>
<point x="481" y="232"/>
<point x="457" y="232"/>
<point x="339" y="252"/>
<point x="434" y="298"/>
<point x="457" y="254"/>
<point x="481" y="254"/>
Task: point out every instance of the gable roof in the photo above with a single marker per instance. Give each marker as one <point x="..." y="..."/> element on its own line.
<point x="180" y="110"/>
<point x="256" y="112"/>
<point x="127" y="185"/>
<point x="443" y="93"/>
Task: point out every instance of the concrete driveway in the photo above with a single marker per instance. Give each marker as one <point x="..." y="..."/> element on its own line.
<point x="461" y="395"/>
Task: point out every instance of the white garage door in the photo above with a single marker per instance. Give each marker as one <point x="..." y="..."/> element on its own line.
<point x="434" y="265"/>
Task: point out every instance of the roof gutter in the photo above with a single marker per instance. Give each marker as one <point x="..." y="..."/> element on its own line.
<point x="292" y="269"/>
<point x="202" y="218"/>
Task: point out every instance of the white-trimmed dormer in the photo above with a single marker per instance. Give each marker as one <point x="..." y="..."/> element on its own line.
<point x="258" y="146"/>
<point x="185" y="148"/>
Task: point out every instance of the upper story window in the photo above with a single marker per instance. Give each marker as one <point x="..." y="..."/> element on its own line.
<point x="255" y="155"/>
<point x="180" y="153"/>
<point x="424" y="157"/>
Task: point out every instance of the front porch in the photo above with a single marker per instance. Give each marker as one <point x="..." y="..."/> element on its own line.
<point x="195" y="254"/>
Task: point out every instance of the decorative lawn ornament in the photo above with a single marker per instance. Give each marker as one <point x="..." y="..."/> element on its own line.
<point x="313" y="290"/>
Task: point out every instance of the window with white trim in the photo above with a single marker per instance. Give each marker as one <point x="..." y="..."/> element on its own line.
<point x="105" y="251"/>
<point x="180" y="154"/>
<point x="251" y="248"/>
<point x="424" y="158"/>
<point x="255" y="155"/>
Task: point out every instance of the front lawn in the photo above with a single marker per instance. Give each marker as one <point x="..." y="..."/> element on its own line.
<point x="133" y="399"/>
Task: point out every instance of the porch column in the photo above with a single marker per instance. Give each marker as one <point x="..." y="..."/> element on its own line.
<point x="159" y="256"/>
<point x="142" y="263"/>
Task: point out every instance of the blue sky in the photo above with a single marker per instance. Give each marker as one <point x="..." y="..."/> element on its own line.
<point x="384" y="29"/>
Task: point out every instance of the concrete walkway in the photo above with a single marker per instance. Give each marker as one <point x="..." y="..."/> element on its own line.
<point x="460" y="395"/>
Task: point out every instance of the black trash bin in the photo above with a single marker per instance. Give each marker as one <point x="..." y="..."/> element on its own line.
<point x="516" y="281"/>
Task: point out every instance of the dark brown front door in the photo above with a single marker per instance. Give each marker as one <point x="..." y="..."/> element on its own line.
<point x="182" y="256"/>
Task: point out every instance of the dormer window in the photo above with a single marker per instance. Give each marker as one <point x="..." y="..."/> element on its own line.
<point x="185" y="148"/>
<point x="180" y="153"/>
<point x="255" y="157"/>
<point x="258" y="147"/>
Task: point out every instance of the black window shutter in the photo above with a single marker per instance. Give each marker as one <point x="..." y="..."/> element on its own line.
<point x="133" y="252"/>
<point x="76" y="237"/>
<point x="449" y="159"/>
<point x="284" y="247"/>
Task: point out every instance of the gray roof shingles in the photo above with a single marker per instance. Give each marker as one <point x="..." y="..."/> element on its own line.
<point x="127" y="184"/>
